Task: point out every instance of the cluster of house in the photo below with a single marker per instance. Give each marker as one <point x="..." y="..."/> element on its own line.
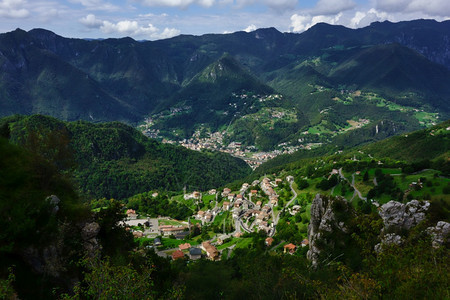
<point x="267" y="187"/>
<point x="205" y="216"/>
<point x="261" y="216"/>
<point x="185" y="249"/>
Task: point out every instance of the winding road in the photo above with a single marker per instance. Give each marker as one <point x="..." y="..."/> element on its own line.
<point x="276" y="217"/>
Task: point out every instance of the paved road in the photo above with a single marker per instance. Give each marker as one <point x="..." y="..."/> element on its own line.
<point x="276" y="218"/>
<point x="293" y="197"/>
<point x="356" y="190"/>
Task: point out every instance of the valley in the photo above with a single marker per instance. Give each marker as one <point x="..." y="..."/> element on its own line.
<point x="259" y="165"/>
<point x="239" y="140"/>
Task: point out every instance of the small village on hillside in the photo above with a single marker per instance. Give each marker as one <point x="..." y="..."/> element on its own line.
<point x="277" y="207"/>
<point x="255" y="208"/>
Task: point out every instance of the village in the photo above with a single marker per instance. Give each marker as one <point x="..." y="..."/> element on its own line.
<point x="255" y="208"/>
<point x="215" y="142"/>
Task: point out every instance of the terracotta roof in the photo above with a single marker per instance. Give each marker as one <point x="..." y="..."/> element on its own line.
<point x="290" y="246"/>
<point x="177" y="254"/>
<point x="269" y="241"/>
<point x="184" y="246"/>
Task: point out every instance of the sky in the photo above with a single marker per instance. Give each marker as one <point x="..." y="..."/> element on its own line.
<point x="159" y="19"/>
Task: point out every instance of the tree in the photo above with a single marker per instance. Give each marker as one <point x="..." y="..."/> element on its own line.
<point x="302" y="184"/>
<point x="107" y="281"/>
<point x="366" y="176"/>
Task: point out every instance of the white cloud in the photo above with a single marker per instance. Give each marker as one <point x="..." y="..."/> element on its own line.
<point x="129" y="28"/>
<point x="250" y="28"/>
<point x="301" y="23"/>
<point x="90" y="21"/>
<point x="439" y="8"/>
<point x="13" y="9"/>
<point x="332" y="7"/>
<point x="98" y="5"/>
<point x="177" y="3"/>
<point x="362" y="19"/>
<point x="168" y="33"/>
<point x="356" y="20"/>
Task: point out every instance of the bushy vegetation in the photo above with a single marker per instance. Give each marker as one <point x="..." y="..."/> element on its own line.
<point x="113" y="160"/>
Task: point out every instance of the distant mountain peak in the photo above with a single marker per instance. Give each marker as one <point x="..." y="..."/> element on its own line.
<point x="43" y="34"/>
<point x="263" y="33"/>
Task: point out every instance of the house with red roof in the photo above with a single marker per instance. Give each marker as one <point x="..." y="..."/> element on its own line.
<point x="290" y="248"/>
<point x="177" y="255"/>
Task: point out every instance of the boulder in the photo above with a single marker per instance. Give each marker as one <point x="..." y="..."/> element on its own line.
<point x="439" y="234"/>
<point x="397" y="216"/>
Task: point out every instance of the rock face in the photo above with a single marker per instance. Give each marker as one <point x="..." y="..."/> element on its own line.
<point x="439" y="234"/>
<point x="89" y="234"/>
<point x="396" y="215"/>
<point x="325" y="222"/>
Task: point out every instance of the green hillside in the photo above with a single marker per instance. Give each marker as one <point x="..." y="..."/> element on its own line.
<point x="114" y="160"/>
<point x="429" y="145"/>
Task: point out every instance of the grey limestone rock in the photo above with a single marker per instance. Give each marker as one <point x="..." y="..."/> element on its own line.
<point x="324" y="220"/>
<point x="388" y="239"/>
<point x="439" y="234"/>
<point x="400" y="216"/>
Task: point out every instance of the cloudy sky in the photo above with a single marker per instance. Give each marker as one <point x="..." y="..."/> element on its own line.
<point x="157" y="19"/>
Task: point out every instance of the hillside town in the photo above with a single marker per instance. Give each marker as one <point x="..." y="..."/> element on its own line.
<point x="215" y="142"/>
<point x="254" y="208"/>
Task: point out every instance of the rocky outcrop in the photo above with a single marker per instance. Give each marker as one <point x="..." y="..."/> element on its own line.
<point x="387" y="240"/>
<point x="54" y="202"/>
<point x="89" y="234"/>
<point x="398" y="216"/>
<point x="439" y="234"/>
<point x="327" y="220"/>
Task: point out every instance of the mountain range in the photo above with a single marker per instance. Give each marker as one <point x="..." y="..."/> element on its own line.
<point x="327" y="77"/>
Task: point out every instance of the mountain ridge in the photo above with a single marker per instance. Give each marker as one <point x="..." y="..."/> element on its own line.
<point x="127" y="80"/>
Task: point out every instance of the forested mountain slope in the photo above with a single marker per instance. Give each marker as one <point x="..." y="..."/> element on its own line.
<point x="114" y="160"/>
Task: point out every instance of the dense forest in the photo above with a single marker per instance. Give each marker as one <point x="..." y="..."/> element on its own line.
<point x="114" y="160"/>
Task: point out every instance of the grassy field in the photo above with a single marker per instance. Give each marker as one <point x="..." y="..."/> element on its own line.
<point x="170" y="222"/>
